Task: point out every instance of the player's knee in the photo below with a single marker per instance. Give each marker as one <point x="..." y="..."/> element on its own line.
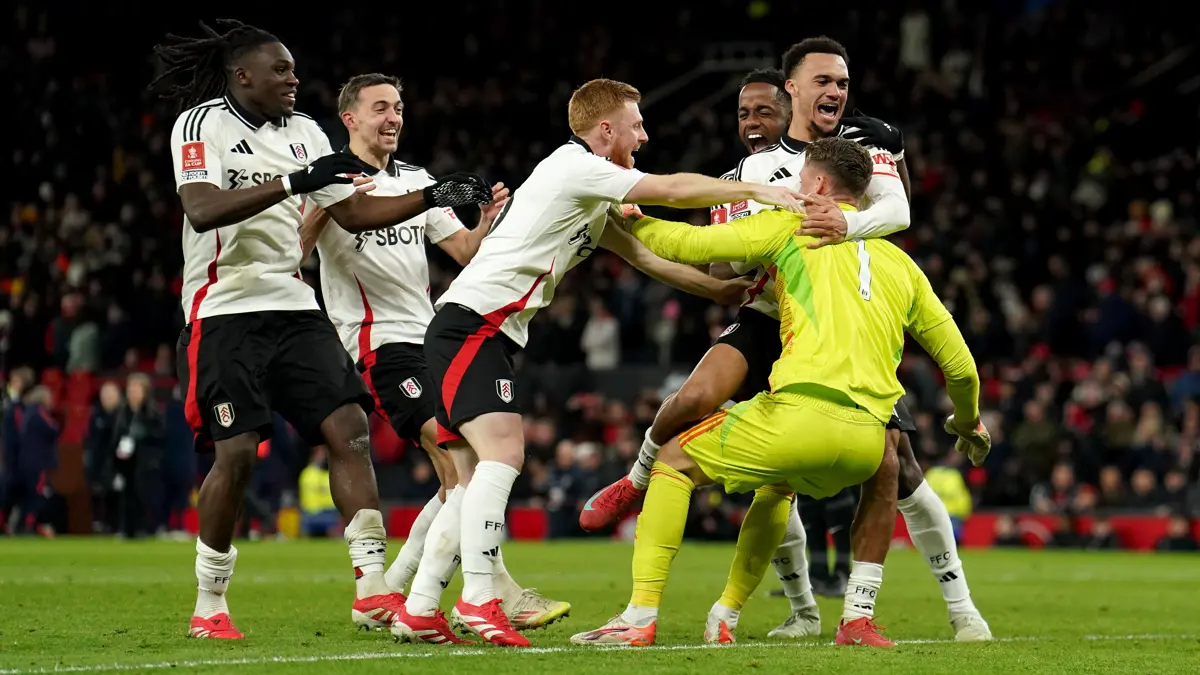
<point x="911" y="475"/>
<point x="236" y="457"/>
<point x="695" y="400"/>
<point x="345" y="425"/>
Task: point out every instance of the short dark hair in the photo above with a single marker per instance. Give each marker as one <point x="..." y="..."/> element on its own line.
<point x="848" y="163"/>
<point x="204" y="62"/>
<point x="773" y="77"/>
<point x="348" y="96"/>
<point x="795" y="54"/>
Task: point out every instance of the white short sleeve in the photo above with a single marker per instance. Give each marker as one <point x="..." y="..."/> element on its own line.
<point x="598" y="178"/>
<point x="330" y="194"/>
<point x="196" y="147"/>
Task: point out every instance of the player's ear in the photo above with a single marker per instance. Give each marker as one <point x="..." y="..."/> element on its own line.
<point x="241" y="76"/>
<point x="789" y="87"/>
<point x="348" y="120"/>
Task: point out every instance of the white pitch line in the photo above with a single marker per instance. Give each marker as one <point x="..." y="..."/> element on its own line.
<point x="374" y="656"/>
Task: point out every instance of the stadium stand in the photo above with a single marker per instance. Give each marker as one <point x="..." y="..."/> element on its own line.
<point x="1054" y="205"/>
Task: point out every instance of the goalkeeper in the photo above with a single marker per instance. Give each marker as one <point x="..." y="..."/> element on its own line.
<point x="844" y="310"/>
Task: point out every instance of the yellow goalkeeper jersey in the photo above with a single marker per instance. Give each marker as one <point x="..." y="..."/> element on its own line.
<point x="843" y="309"/>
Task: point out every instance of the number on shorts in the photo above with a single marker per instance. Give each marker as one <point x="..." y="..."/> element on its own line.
<point x="864" y="271"/>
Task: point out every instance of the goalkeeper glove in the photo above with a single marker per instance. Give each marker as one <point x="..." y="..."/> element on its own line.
<point x="975" y="443"/>
<point x="870" y="131"/>
<point x="323" y="172"/>
<point x="458" y="189"/>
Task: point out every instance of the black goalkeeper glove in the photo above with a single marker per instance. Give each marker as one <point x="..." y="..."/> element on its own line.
<point x="458" y="189"/>
<point x="873" y="132"/>
<point x="325" y="172"/>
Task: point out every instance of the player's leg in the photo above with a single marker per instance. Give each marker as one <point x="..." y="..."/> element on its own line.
<point x="791" y="566"/>
<point x="225" y="404"/>
<point x="315" y="386"/>
<point x="659" y="534"/>
<point x="760" y="535"/>
<point x="471" y="365"/>
<point x="932" y="534"/>
<point x="404" y="567"/>
<point x="813" y="515"/>
<point x="872" y="535"/>
<point x="398" y="380"/>
<point x="421" y="619"/>
<point x="839" y="513"/>
<point x="718" y="377"/>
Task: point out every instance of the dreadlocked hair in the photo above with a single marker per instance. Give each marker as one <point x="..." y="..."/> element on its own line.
<point x="197" y="68"/>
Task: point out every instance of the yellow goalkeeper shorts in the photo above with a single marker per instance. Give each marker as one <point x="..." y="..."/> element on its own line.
<point x="816" y="447"/>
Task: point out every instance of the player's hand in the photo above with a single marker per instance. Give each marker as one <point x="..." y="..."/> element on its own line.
<point x="875" y="132"/>
<point x="823" y="220"/>
<point x="778" y="195"/>
<point x="973" y="439"/>
<point x="458" y="189"/>
<point x="488" y="212"/>
<point x="732" y="293"/>
<point x="338" y="167"/>
<point x="363" y="184"/>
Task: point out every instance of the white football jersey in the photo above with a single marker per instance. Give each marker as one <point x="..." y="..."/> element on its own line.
<point x="254" y="265"/>
<point x="376" y="284"/>
<point x="780" y="164"/>
<point x="549" y="225"/>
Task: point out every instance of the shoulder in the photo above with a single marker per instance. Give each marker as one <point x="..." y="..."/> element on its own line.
<point x="757" y="168"/>
<point x="304" y="123"/>
<point x="207" y="116"/>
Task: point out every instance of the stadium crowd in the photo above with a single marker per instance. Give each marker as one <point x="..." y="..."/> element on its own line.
<point x="1049" y="213"/>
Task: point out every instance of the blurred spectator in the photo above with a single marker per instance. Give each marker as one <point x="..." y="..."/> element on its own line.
<point x="136" y="453"/>
<point x="947" y="482"/>
<point x="1179" y="536"/>
<point x="318" y="515"/>
<point x="1007" y="534"/>
<point x="98" y="460"/>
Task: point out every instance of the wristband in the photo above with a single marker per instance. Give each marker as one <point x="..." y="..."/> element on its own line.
<point x="287" y="184"/>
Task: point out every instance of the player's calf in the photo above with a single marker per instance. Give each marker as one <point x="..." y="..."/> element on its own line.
<point x="219" y="501"/>
<point x="872" y="535"/>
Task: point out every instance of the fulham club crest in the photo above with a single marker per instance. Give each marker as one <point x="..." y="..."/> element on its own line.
<point x="411" y="388"/>
<point x="504" y="389"/>
<point x="299" y="152"/>
<point x="224" y="413"/>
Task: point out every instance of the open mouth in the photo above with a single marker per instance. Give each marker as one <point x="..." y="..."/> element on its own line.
<point x="757" y="142"/>
<point x="290" y="97"/>
<point x="390" y="134"/>
<point x="828" y="111"/>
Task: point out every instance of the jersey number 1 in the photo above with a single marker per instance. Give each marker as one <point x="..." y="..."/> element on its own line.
<point x="864" y="271"/>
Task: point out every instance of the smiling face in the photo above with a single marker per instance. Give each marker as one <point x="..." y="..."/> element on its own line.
<point x="267" y="79"/>
<point x="761" y="117"/>
<point x="819" y="86"/>
<point x="376" y="118"/>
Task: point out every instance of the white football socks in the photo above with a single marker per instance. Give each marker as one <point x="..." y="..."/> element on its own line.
<point x="791" y="563"/>
<point x="639" y="616"/>
<point x="861" y="591"/>
<point x="639" y="474"/>
<point x="483" y="507"/>
<point x="507" y="589"/>
<point x="367" y="539"/>
<point x="213" y="572"/>
<point x="440" y="558"/>
<point x="727" y="614"/>
<point x="931" y="532"/>
<point x="404" y="567"/>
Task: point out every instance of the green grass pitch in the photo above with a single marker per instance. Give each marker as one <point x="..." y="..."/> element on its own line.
<point x="103" y="606"/>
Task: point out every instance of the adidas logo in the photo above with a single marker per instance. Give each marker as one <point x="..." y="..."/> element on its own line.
<point x="948" y="577"/>
<point x="242" y="147"/>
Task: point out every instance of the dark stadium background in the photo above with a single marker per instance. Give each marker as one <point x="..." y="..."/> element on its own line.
<point x="1052" y="148"/>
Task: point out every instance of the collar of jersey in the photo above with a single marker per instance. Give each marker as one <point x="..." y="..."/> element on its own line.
<point x="581" y="142"/>
<point x="371" y="169"/>
<point x="248" y="118"/>
<point x="792" y="144"/>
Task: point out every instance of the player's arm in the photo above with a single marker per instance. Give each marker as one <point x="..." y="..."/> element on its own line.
<point x="888" y="211"/>
<point x="722" y="271"/>
<point x="359" y="213"/>
<point x="902" y="169"/>
<point x="196" y="150"/>
<point x="934" y="329"/>
<point x="755" y="239"/>
<point x="693" y="191"/>
<point x="443" y="227"/>
<point x="683" y="277"/>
